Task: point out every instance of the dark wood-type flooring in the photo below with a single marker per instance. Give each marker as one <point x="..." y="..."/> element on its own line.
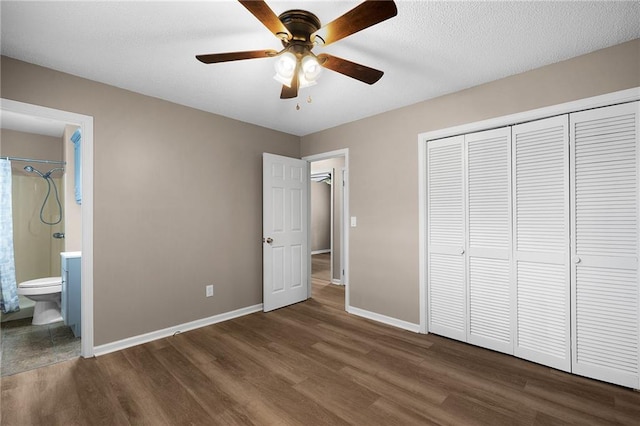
<point x="309" y="364"/>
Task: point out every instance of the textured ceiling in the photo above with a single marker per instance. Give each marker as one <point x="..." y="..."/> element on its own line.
<point x="431" y="48"/>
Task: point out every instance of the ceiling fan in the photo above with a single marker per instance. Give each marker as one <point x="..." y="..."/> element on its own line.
<point x="300" y="31"/>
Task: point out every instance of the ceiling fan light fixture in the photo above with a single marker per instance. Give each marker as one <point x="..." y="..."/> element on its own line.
<point x="310" y="67"/>
<point x="303" y="81"/>
<point x="285" y="67"/>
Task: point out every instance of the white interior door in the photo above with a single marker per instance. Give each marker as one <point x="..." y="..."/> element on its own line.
<point x="540" y="180"/>
<point x="285" y="186"/>
<point x="604" y="271"/>
<point x="446" y="287"/>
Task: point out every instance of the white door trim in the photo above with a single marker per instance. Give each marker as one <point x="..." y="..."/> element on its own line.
<point x="621" y="96"/>
<point x="85" y="122"/>
<point x="345" y="216"/>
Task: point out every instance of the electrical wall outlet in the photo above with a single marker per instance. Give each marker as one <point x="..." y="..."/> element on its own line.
<point x="209" y="292"/>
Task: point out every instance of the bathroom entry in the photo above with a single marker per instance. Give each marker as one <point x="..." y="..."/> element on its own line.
<point x="40" y="223"/>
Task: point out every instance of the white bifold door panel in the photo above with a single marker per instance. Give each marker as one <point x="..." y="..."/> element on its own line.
<point x="533" y="241"/>
<point x="469" y="238"/>
<point x="540" y="176"/>
<point x="604" y="267"/>
<point x="488" y="239"/>
<point x="284" y="222"/>
<point x="447" y="302"/>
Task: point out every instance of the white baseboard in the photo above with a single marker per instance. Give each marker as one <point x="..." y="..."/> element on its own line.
<point x="320" y="251"/>
<point x="159" y="334"/>
<point x="384" y="319"/>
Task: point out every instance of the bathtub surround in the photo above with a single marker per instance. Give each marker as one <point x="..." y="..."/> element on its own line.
<point x="37" y="254"/>
<point x="9" y="301"/>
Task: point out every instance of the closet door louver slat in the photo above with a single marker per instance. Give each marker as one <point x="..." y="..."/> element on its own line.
<point x="446" y="237"/>
<point x="489" y="239"/>
<point x="605" y="289"/>
<point x="541" y="241"/>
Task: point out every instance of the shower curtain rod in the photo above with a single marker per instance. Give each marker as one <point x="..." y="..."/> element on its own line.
<point x="33" y="160"/>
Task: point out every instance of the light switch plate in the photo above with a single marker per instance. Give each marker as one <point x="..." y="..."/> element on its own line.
<point x="354" y="222"/>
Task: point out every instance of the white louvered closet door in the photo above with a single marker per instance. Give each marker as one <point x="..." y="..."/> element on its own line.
<point x="604" y="272"/>
<point x="446" y="290"/>
<point x="541" y="241"/>
<point x="489" y="239"/>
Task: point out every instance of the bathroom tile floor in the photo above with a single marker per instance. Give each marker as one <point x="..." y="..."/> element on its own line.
<point x="25" y="346"/>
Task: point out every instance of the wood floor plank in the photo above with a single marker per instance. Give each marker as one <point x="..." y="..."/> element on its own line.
<point x="135" y="400"/>
<point x="346" y="399"/>
<point x="390" y="413"/>
<point x="203" y="390"/>
<point x="309" y="364"/>
<point x="97" y="399"/>
<point x="243" y="393"/>
<point x="409" y="394"/>
<point x="175" y="401"/>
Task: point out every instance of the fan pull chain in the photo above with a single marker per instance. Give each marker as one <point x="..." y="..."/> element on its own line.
<point x="309" y="100"/>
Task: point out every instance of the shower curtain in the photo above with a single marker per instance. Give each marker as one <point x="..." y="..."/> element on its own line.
<point x="8" y="288"/>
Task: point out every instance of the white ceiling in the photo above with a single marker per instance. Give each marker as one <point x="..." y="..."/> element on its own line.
<point x="431" y="48"/>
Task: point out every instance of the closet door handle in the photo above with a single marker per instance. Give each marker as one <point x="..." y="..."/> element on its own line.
<point x="461" y="252"/>
<point x="576" y="259"/>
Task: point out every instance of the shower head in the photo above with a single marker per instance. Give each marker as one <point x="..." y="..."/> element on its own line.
<point x="30" y="169"/>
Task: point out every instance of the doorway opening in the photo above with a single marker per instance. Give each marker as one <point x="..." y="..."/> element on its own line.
<point x="27" y="119"/>
<point x="328" y="233"/>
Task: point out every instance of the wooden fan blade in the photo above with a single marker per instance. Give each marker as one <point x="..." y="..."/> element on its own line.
<point x="350" y="69"/>
<point x="363" y="16"/>
<point x="292" y="92"/>
<point x="260" y="10"/>
<point x="213" y="58"/>
<point x="288" y="92"/>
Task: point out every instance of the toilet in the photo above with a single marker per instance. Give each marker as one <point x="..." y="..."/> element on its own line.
<point x="46" y="293"/>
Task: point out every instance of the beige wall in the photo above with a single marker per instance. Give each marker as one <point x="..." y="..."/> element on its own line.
<point x="320" y="216"/>
<point x="72" y="210"/>
<point x="36" y="252"/>
<point x="384" y="246"/>
<point x="177" y="202"/>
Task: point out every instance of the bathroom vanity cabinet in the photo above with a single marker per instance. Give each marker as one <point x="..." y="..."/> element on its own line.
<point x="71" y="304"/>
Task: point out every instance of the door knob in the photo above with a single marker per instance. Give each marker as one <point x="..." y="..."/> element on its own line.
<point x="576" y="259"/>
<point x="269" y="240"/>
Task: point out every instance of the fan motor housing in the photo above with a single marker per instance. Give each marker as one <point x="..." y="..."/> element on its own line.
<point x="301" y="24"/>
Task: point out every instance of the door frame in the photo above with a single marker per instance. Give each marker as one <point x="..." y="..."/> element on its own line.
<point x="622" y="96"/>
<point x="344" y="235"/>
<point x="85" y="122"/>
